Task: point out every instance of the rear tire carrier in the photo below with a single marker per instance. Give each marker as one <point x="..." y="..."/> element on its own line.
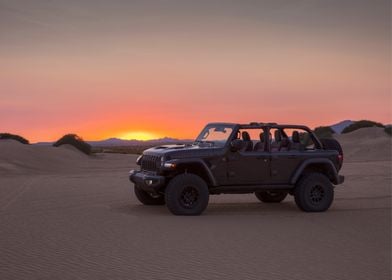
<point x="333" y="144"/>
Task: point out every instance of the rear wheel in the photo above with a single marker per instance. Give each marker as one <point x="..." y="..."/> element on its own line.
<point x="314" y="193"/>
<point x="148" y="198"/>
<point x="187" y="194"/>
<point x="271" y="196"/>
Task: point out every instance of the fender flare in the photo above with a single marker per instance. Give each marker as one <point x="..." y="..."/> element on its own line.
<point x="199" y="162"/>
<point x="306" y="163"/>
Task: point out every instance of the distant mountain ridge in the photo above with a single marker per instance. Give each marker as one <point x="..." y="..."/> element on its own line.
<point x="110" y="142"/>
<point x="133" y="142"/>
<point x="340" y="126"/>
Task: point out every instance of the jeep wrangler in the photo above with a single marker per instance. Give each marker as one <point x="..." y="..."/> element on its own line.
<point x="267" y="159"/>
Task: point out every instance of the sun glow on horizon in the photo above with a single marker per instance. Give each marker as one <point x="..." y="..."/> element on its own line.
<point x="139" y="135"/>
<point x="167" y="74"/>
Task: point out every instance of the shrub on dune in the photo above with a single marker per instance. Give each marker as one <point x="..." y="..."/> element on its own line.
<point x="74" y="140"/>
<point x="324" y="132"/>
<point x="361" y="124"/>
<point x="14" y="137"/>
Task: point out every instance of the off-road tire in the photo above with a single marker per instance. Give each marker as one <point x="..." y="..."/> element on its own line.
<point x="147" y="198"/>
<point x="271" y="196"/>
<point x="314" y="193"/>
<point x="187" y="194"/>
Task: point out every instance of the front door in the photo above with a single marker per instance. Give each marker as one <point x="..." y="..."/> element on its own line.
<point x="248" y="168"/>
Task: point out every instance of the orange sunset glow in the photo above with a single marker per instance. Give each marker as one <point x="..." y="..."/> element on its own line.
<point x="139" y="135"/>
<point x="150" y="69"/>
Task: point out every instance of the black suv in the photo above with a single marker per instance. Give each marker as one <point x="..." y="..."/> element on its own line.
<point x="267" y="159"/>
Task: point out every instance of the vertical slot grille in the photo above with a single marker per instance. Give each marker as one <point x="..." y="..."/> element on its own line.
<point x="150" y="163"/>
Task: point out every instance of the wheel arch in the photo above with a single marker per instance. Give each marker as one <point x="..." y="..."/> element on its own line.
<point x="197" y="167"/>
<point x="322" y="165"/>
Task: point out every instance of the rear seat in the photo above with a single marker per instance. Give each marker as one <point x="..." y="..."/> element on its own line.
<point x="248" y="146"/>
<point x="284" y="145"/>
<point x="260" y="146"/>
<point x="296" y="144"/>
<point x="275" y="145"/>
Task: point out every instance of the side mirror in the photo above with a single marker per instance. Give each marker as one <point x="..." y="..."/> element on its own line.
<point x="236" y="145"/>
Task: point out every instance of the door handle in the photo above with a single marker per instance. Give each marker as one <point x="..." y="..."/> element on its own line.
<point x="262" y="158"/>
<point x="292" y="156"/>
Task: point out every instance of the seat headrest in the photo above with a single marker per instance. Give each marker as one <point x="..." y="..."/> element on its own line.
<point x="245" y="136"/>
<point x="295" y="136"/>
<point x="261" y="137"/>
<point x="285" y="142"/>
<point x="278" y="136"/>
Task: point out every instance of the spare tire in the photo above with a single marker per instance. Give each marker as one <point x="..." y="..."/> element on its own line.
<point x="333" y="144"/>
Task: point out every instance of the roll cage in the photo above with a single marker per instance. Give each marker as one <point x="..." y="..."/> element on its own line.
<point x="267" y="127"/>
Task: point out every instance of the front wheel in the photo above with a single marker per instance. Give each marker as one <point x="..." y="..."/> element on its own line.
<point x="314" y="193"/>
<point x="148" y="198"/>
<point x="271" y="196"/>
<point x="187" y="194"/>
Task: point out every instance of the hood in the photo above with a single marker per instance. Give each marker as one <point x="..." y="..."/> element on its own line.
<point x="182" y="151"/>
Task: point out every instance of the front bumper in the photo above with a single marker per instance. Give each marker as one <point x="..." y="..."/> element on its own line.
<point x="147" y="181"/>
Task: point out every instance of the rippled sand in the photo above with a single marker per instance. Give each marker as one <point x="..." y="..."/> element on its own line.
<point x="83" y="222"/>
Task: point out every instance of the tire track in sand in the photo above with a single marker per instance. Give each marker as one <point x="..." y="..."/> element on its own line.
<point x="13" y="196"/>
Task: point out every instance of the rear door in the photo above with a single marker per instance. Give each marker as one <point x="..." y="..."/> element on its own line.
<point x="283" y="166"/>
<point x="286" y="160"/>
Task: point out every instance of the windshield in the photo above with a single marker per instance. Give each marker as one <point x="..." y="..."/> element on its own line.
<point x="214" y="135"/>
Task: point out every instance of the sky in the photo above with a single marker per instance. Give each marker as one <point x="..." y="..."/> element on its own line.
<point x="149" y="69"/>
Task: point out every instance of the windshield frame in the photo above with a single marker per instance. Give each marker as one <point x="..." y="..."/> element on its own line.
<point x="233" y="127"/>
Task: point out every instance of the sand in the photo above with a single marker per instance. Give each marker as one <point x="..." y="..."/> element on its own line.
<point x="366" y="144"/>
<point x="64" y="215"/>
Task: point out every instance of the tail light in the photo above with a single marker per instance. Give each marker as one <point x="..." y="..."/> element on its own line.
<point x="340" y="159"/>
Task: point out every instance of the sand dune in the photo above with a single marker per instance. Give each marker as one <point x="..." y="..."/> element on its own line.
<point x="18" y="158"/>
<point x="366" y="144"/>
<point x="64" y="215"/>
